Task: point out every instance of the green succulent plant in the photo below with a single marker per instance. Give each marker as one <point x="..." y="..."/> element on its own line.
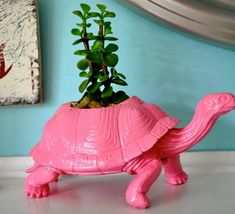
<point x="98" y="58"/>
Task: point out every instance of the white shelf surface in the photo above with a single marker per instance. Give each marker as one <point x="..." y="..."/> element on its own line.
<point x="210" y="190"/>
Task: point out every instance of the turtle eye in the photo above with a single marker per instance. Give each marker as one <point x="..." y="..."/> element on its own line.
<point x="223" y="99"/>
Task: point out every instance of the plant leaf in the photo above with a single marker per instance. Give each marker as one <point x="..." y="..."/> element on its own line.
<point x="85" y="7"/>
<point x="93" y="96"/>
<point x="121" y="75"/>
<point x="84" y="74"/>
<point x="111" y="48"/>
<point x="102" y="77"/>
<point x="83" y="85"/>
<point x="109" y="38"/>
<point x="106" y="101"/>
<point x="82" y="25"/>
<point x="119" y="97"/>
<point x="109" y="14"/>
<point x="78" y="41"/>
<point x="97" y="45"/>
<point x="99" y="22"/>
<point x="90" y="36"/>
<point x="82" y="52"/>
<point x="107" y="92"/>
<point x="88" y="25"/>
<point x="101" y="7"/>
<point x="111" y="60"/>
<point x="107" y="23"/>
<point x="113" y="72"/>
<point x="83" y="64"/>
<point x="93" y="14"/>
<point x="119" y="81"/>
<point x="76" y="32"/>
<point x="95" y="57"/>
<point x="78" y="13"/>
<point x="107" y="30"/>
<point x="94" y="87"/>
<point x="97" y="37"/>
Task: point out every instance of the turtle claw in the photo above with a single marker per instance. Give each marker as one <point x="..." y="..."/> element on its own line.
<point x="178" y="179"/>
<point x="139" y="200"/>
<point x="37" y="191"/>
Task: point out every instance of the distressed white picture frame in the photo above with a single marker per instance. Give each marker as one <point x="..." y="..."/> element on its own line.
<point x="20" y="78"/>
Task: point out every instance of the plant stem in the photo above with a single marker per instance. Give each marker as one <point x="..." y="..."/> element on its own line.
<point x="101" y="34"/>
<point x="105" y="69"/>
<point x="86" y="45"/>
<point x="85" y="39"/>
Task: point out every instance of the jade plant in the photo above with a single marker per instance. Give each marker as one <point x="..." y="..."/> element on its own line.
<point x="98" y="58"/>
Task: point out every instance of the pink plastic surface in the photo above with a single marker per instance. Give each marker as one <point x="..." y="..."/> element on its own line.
<point x="133" y="137"/>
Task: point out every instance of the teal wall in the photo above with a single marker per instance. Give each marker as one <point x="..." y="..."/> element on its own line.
<point x="162" y="66"/>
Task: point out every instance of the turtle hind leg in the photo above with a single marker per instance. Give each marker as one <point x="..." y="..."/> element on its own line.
<point x="146" y="171"/>
<point x="174" y="172"/>
<point x="37" y="183"/>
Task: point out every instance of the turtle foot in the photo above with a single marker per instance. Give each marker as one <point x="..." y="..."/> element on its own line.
<point x="139" y="200"/>
<point x="37" y="191"/>
<point x="37" y="184"/>
<point x="178" y="179"/>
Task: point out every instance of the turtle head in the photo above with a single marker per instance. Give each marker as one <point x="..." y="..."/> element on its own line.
<point x="218" y="104"/>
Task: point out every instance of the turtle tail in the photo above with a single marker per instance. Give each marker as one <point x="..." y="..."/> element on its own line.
<point x="32" y="168"/>
<point x="33" y="153"/>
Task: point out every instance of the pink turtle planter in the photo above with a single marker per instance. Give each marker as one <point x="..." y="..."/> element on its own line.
<point x="133" y="137"/>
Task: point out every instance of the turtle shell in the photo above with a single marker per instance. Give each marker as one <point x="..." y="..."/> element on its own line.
<point x="102" y="139"/>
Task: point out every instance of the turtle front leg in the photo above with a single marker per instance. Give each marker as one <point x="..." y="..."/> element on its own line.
<point x="174" y="172"/>
<point x="37" y="184"/>
<point x="146" y="172"/>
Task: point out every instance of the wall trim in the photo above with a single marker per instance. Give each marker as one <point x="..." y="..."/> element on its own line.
<point x="193" y="162"/>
